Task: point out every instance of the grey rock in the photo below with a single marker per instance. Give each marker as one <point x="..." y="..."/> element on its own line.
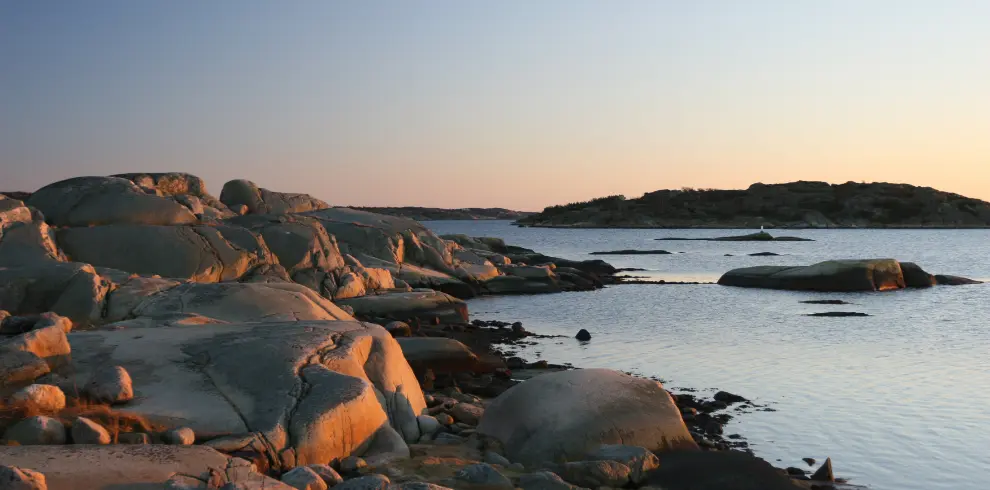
<point x="484" y="474"/>
<point x="544" y="480"/>
<point x="85" y="431"/>
<point x="37" y="430"/>
<point x="428" y="424"/>
<point x="182" y="436"/>
<point x="263" y="201"/>
<point x="87" y="201"/>
<point x="467" y="413"/>
<point x="640" y="460"/>
<point x="491" y="457"/>
<point x="17" y="367"/>
<point x="417" y="485"/>
<point x="445" y="419"/>
<point x="328" y="474"/>
<point x="14" y="478"/>
<point x="368" y="482"/>
<point x="446" y="439"/>
<point x="834" y="275"/>
<point x="824" y="473"/>
<point x="303" y="478"/>
<point x="110" y="384"/>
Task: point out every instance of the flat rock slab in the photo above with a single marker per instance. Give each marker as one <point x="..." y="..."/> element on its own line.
<point x="132" y="467"/>
<point x="633" y="252"/>
<point x="320" y="388"/>
<point x="419" y="304"/>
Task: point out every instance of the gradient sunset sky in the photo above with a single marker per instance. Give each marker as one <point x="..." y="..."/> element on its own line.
<point x="518" y="104"/>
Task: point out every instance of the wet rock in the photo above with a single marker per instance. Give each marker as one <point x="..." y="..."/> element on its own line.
<point x="484" y="474"/>
<point x="111" y="384"/>
<point x="826" y="302"/>
<point x="85" y="431"/>
<point x="182" y="436"/>
<point x="44" y="398"/>
<point x="14" y="478"/>
<point x="809" y="461"/>
<point x="583" y="335"/>
<point x="824" y="473"/>
<point x="834" y="275"/>
<point x="945" y="280"/>
<point x="838" y="314"/>
<point x="794" y="471"/>
<point x="730" y="398"/>
<point x="764" y="254"/>
<point x="594" y="474"/>
<point x="303" y="478"/>
<point x="37" y="430"/>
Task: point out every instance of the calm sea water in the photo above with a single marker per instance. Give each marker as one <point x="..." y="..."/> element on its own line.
<point x="899" y="399"/>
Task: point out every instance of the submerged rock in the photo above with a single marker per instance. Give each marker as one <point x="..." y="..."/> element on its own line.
<point x="583" y="335"/>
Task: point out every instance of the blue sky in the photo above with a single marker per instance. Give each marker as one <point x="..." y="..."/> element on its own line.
<point x="514" y="104"/>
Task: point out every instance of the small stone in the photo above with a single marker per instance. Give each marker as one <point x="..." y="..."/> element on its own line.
<point x="14" y="478"/>
<point x="37" y="430"/>
<point x="467" y="413"/>
<point x="399" y="329"/>
<point x="181" y="436"/>
<point x="491" y="457"/>
<point x="428" y="424"/>
<point x="304" y="478"/>
<point x="517" y="328"/>
<point x="43" y="398"/>
<point x="369" y="482"/>
<point x="85" y="431"/>
<point x="111" y="384"/>
<point x="594" y="474"/>
<point x="445" y="419"/>
<point x="517" y="467"/>
<point x="808" y="461"/>
<point x="583" y="335"/>
<point x="133" y="438"/>
<point x="730" y="398"/>
<point x="352" y="464"/>
<point x="795" y="471"/>
<point x="824" y="473"/>
<point x="430" y="400"/>
<point x="484" y="474"/>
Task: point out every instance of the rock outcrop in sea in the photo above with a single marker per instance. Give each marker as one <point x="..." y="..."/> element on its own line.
<point x="791" y="205"/>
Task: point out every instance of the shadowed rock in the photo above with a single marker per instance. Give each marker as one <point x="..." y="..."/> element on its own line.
<point x="835" y="275"/>
<point x="87" y="201"/>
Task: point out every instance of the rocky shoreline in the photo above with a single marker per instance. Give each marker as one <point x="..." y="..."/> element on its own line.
<point x="155" y="336"/>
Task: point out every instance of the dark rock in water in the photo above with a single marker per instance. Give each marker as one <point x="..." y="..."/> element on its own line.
<point x="833" y="275"/>
<point x="716" y="470"/>
<point x="725" y="396"/>
<point x="825" y="472"/>
<point x="795" y="471"/>
<point x="915" y="276"/>
<point x="633" y="252"/>
<point x="753" y="237"/>
<point x="764" y="254"/>
<point x="515" y="363"/>
<point x="729" y="255"/>
<point x="839" y="313"/>
<point x="826" y="302"/>
<point x="583" y="335"/>
<point x="810" y="461"/>
<point x="517" y="328"/>
<point x="944" y="280"/>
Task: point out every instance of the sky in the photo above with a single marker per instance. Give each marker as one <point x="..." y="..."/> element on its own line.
<point x="517" y="104"/>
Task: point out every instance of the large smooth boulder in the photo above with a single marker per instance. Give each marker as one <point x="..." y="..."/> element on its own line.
<point x="833" y="275"/>
<point x="33" y="241"/>
<point x="35" y="431"/>
<point x="562" y="416"/>
<point x="718" y="470"/>
<point x="300" y="392"/>
<point x="88" y="201"/>
<point x="421" y="304"/>
<point x="102" y="467"/>
<point x="187" y="189"/>
<point x="197" y="253"/>
<point x="915" y="276"/>
<point x="440" y="354"/>
<point x="263" y="201"/>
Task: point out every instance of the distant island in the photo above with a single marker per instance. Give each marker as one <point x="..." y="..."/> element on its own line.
<point x="428" y="214"/>
<point x="792" y="205"/>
